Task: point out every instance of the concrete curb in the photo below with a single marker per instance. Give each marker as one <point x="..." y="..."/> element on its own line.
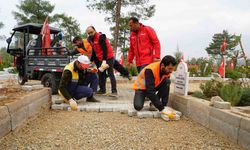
<point x="225" y="122"/>
<point x="14" y="114"/>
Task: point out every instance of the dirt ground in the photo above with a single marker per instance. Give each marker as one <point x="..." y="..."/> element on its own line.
<point x="83" y="130"/>
<point x="11" y="90"/>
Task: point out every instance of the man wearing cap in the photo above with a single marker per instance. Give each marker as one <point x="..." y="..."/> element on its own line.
<point x="78" y="80"/>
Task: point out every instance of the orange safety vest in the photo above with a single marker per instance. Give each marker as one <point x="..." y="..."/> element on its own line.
<point x="140" y="83"/>
<point x="87" y="51"/>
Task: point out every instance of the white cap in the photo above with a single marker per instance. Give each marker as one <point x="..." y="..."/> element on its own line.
<point x="84" y="61"/>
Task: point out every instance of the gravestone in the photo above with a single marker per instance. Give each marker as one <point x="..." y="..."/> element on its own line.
<point x="181" y="79"/>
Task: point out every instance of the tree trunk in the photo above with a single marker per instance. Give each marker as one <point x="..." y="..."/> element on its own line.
<point x="242" y="49"/>
<point x="117" y="18"/>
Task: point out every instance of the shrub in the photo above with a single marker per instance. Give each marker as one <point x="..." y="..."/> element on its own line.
<point x="193" y="71"/>
<point x="133" y="70"/>
<point x="199" y="94"/>
<point x="231" y="92"/>
<point x="211" y="88"/>
<point x="245" y="70"/>
<point x="245" y="97"/>
<point x="233" y="74"/>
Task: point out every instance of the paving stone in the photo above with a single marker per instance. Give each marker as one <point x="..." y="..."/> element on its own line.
<point x="58" y="106"/>
<point x="222" y="105"/>
<point x="156" y="114"/>
<point x="106" y="108"/>
<point x="122" y="109"/>
<point x="132" y="112"/>
<point x="81" y="108"/>
<point x="145" y="114"/>
<point x="92" y="108"/>
<point x="27" y="87"/>
<point x="37" y="87"/>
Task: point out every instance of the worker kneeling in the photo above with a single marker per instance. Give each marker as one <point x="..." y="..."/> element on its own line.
<point x="153" y="82"/>
<point x="78" y="80"/>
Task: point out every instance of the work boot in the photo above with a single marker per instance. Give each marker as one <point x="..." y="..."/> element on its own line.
<point x="152" y="107"/>
<point x="92" y="99"/>
<point x="113" y="94"/>
<point x="100" y="92"/>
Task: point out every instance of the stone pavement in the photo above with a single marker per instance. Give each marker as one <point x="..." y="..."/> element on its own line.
<point x="122" y="103"/>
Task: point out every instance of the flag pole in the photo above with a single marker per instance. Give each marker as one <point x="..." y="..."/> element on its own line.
<point x="224" y="68"/>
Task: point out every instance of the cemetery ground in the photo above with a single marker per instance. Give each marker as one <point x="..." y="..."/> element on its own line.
<point x="58" y="129"/>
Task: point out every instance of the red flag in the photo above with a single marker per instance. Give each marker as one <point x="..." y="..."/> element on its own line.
<point x="121" y="61"/>
<point x="221" y="68"/>
<point x="1" y="60"/>
<point x="182" y="57"/>
<point x="231" y="66"/>
<point x="223" y="46"/>
<point x="46" y="38"/>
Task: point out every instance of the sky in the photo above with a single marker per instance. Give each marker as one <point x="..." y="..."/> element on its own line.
<point x="190" y="24"/>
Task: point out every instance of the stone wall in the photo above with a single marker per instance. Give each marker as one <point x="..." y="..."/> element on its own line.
<point x="13" y="114"/>
<point x="225" y="122"/>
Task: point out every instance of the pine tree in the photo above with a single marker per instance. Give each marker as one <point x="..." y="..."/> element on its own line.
<point x="115" y="15"/>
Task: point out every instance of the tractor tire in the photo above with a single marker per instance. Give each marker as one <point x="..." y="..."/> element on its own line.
<point x="48" y="80"/>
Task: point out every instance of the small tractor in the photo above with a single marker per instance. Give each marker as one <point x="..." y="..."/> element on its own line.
<point x="32" y="60"/>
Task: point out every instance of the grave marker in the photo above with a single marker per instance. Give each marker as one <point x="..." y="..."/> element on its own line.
<point x="181" y="79"/>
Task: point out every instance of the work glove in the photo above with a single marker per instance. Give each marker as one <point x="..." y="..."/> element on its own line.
<point x="104" y="66"/>
<point x="169" y="114"/>
<point x="73" y="104"/>
<point x="93" y="70"/>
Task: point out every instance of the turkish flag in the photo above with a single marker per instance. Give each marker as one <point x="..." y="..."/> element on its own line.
<point x="121" y="61"/>
<point x="1" y="60"/>
<point x="231" y="66"/>
<point x="221" y="68"/>
<point x="46" y="38"/>
<point x="182" y="57"/>
<point x="223" y="46"/>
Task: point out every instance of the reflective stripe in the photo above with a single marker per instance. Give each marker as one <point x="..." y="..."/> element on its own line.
<point x="142" y="79"/>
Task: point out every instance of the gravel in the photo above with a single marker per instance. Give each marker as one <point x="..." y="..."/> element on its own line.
<point x="83" y="130"/>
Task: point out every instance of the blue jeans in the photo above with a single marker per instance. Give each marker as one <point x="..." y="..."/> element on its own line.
<point x="86" y="88"/>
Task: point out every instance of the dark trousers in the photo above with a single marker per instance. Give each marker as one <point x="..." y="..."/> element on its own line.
<point x="139" y="68"/>
<point x="102" y="77"/>
<point x="162" y="93"/>
<point x="120" y="68"/>
<point x="86" y="88"/>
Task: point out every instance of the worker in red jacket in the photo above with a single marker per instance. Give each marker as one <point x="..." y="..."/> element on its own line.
<point x="144" y="45"/>
<point x="104" y="53"/>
